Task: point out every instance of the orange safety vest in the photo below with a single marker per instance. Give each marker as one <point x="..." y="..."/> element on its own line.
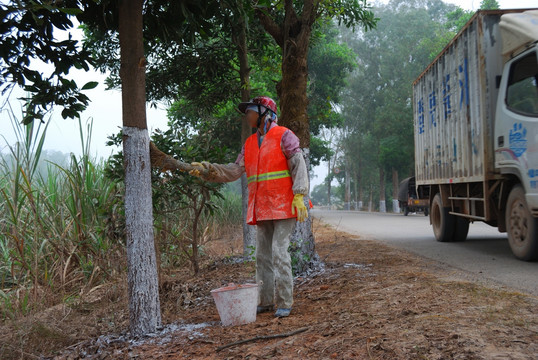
<point x="269" y="180"/>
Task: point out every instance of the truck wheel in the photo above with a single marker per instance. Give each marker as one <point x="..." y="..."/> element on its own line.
<point x="521" y="226"/>
<point x="442" y="222"/>
<point x="406" y="210"/>
<point x="462" y="229"/>
<point x="425" y="211"/>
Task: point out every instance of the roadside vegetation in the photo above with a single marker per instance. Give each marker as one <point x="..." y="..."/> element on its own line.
<point x="62" y="225"/>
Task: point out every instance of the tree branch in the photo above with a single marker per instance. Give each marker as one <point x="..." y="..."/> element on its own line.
<point x="308" y="18"/>
<point x="293" y="18"/>
<point x="270" y="26"/>
<point x="165" y="162"/>
<point x="267" y="337"/>
<point x="310" y="12"/>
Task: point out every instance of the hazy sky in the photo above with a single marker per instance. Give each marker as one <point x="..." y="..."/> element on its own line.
<point x="105" y="109"/>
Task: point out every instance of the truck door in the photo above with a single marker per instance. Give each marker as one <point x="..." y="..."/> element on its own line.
<point x="516" y="123"/>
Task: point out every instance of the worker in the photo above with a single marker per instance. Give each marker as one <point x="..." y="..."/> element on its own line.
<point x="277" y="181"/>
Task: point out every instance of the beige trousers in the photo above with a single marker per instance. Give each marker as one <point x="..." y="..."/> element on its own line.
<point x="273" y="263"/>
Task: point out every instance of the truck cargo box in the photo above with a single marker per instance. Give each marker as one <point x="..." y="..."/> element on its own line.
<point x="454" y="106"/>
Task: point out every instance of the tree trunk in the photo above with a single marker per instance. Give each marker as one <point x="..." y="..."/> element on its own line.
<point x="292" y="92"/>
<point x="382" y="204"/>
<point x="361" y="193"/>
<point x="329" y="177"/>
<point x="142" y="279"/>
<point x="293" y="37"/>
<point x="347" y="196"/>
<point x="302" y="244"/>
<point x="355" y="191"/>
<point x="359" y="179"/>
<point x="293" y="105"/>
<point x="395" y="204"/>
<point x="371" y="200"/>
<point x="194" y="243"/>
<point x="249" y="231"/>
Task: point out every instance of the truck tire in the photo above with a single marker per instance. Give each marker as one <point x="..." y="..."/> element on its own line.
<point x="521" y="226"/>
<point x="406" y="210"/>
<point x="442" y="222"/>
<point x="462" y="229"/>
<point x="425" y="211"/>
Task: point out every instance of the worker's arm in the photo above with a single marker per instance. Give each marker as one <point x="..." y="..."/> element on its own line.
<point x="224" y="172"/>
<point x="221" y="173"/>
<point x="296" y="164"/>
<point x="299" y="174"/>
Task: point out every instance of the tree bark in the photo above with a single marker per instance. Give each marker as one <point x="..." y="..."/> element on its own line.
<point x="142" y="278"/>
<point x="292" y="92"/>
<point x="249" y="231"/>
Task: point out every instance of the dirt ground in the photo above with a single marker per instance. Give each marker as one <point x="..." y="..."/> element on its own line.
<point x="368" y="301"/>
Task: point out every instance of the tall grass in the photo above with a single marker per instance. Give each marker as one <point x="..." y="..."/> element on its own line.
<point x="228" y="208"/>
<point x="62" y="229"/>
<point x="54" y="236"/>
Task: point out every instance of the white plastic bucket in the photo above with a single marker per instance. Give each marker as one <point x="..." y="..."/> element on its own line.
<point x="236" y="304"/>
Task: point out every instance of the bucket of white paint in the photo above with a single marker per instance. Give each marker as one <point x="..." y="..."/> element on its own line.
<point x="236" y="304"/>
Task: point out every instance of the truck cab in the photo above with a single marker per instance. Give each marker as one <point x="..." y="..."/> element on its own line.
<point x="516" y="132"/>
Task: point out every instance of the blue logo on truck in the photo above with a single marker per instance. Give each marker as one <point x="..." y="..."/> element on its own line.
<point x="518" y="141"/>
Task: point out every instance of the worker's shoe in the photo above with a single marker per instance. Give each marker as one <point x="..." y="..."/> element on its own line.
<point x="262" y="309"/>
<point x="282" y="312"/>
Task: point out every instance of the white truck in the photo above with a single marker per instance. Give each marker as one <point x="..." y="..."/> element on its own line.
<point x="476" y="130"/>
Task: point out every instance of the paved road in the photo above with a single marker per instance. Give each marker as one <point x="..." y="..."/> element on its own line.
<point x="485" y="255"/>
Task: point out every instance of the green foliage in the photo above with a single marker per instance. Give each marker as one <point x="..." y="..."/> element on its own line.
<point x="319" y="150"/>
<point x="455" y="21"/>
<point x="489" y="5"/>
<point x="224" y="123"/>
<point x="377" y="103"/>
<point x="319" y="194"/>
<point x="190" y="47"/>
<point x="26" y="35"/>
<point x="350" y="13"/>
<point x="329" y="64"/>
<point x="298" y="258"/>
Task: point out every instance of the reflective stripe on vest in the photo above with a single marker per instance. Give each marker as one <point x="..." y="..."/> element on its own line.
<point x="269" y="176"/>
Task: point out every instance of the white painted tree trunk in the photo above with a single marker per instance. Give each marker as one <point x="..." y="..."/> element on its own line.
<point x="249" y="231"/>
<point x="142" y="278"/>
<point x="382" y="206"/>
<point x="347" y="196"/>
<point x="395" y="206"/>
